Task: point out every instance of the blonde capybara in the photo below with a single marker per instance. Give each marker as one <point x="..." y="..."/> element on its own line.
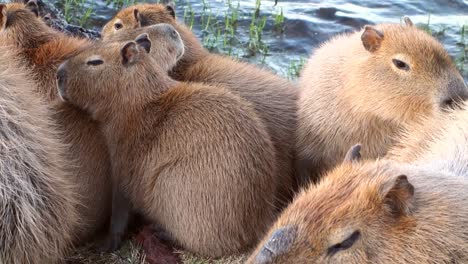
<point x="377" y="212"/>
<point x="42" y="49"/>
<point x="440" y="143"/>
<point x="365" y="87"/>
<point x="37" y="195"/>
<point x="192" y="158"/>
<point x="274" y="99"/>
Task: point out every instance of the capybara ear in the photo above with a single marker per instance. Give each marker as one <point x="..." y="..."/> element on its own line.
<point x="372" y="38"/>
<point x="408" y="21"/>
<point x="137" y="16"/>
<point x="353" y="154"/>
<point x="129" y="53"/>
<point x="279" y="243"/>
<point x="33" y="7"/>
<point x="170" y="7"/>
<point x="144" y="41"/>
<point x="3" y="16"/>
<point x="398" y="194"/>
<point x="140" y="18"/>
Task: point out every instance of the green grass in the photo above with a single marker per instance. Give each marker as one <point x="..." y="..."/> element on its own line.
<point x="462" y="59"/>
<point x="295" y="68"/>
<point x="130" y="253"/>
<point x="76" y="12"/>
<point x="279" y="20"/>
<point x="190" y="259"/>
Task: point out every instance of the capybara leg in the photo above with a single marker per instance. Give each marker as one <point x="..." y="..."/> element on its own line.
<point x="121" y="209"/>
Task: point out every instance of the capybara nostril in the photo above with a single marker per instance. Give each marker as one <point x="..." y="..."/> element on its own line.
<point x="174" y="34"/>
<point x="457" y="93"/>
<point x="171" y="31"/>
<point x="279" y="243"/>
<point x="61" y="81"/>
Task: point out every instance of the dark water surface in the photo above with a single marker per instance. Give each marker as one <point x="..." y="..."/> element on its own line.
<point x="307" y="23"/>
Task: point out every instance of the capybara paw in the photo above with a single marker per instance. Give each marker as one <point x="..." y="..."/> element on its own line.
<point x="111" y="244"/>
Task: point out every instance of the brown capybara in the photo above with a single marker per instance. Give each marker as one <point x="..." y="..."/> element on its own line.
<point x="37" y="195"/>
<point x="377" y="212"/>
<point x="192" y="158"/>
<point x="41" y="46"/>
<point x="43" y="49"/>
<point x="364" y="87"/>
<point x="274" y="99"/>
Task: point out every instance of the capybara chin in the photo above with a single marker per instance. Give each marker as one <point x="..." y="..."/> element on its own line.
<point x="365" y="87"/>
<point x="274" y="99"/>
<point x="439" y="143"/>
<point x="37" y="196"/>
<point x="42" y="49"/>
<point x="194" y="159"/>
<point x="373" y="212"/>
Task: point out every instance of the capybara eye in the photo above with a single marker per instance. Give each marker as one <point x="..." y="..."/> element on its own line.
<point x="346" y="244"/>
<point x="118" y="26"/>
<point x="95" y="62"/>
<point x="401" y="65"/>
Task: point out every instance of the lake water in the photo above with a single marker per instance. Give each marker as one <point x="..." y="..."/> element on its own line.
<point x="307" y="23"/>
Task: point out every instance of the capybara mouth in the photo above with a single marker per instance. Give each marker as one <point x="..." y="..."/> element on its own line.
<point x="180" y="53"/>
<point x="450" y="104"/>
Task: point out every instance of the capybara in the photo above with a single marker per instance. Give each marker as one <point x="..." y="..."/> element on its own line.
<point x="194" y="159"/>
<point x="37" y="195"/>
<point x="365" y="87"/>
<point x="42" y="49"/>
<point x="378" y="212"/>
<point x="274" y="99"/>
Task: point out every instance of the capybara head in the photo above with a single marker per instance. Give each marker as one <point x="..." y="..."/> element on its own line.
<point x="411" y="64"/>
<point x="119" y="74"/>
<point x="140" y="15"/>
<point x="20" y="24"/>
<point x="153" y="31"/>
<point x="355" y="215"/>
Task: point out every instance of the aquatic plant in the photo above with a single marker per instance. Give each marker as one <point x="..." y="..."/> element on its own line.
<point x="295" y="68"/>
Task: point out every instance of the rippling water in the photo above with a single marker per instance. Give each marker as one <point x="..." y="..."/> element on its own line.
<point x="307" y="24"/>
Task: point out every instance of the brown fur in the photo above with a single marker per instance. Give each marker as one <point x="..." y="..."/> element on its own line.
<point x="193" y="158"/>
<point x="41" y="46"/>
<point x="349" y="94"/>
<point x="37" y="196"/>
<point x="43" y="49"/>
<point x="273" y="98"/>
<point x="441" y="143"/>
<point x="419" y="220"/>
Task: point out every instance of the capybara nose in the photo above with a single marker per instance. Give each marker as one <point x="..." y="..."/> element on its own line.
<point x="174" y="34"/>
<point x="171" y="31"/>
<point x="62" y="81"/>
<point x="279" y="243"/>
<point x="457" y="93"/>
